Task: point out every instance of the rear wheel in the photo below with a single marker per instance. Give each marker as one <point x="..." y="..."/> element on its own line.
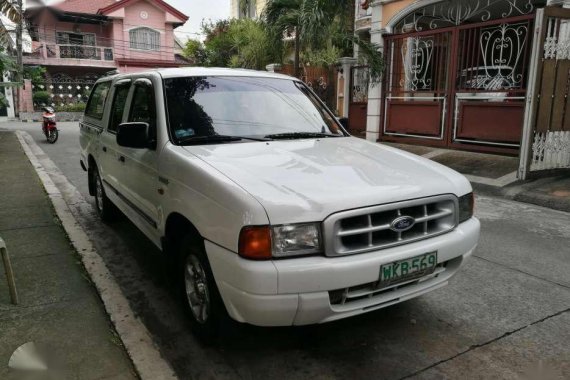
<point x="200" y="294"/>
<point x="52" y="136"/>
<point x="105" y="208"/>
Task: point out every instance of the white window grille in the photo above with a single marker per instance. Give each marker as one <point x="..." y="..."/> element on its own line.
<point x="144" y="39"/>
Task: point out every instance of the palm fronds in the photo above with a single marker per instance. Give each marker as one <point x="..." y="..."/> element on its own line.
<point x="11" y="10"/>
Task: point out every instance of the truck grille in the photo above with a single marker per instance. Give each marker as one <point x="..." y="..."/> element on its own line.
<point x="369" y="229"/>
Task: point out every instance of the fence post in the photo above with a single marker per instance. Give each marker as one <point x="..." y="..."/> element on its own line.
<point x="533" y="87"/>
<point x="9" y="272"/>
<point x="346" y="64"/>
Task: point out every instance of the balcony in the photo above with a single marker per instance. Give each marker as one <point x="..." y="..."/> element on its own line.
<point x="45" y="53"/>
<point x="363" y="20"/>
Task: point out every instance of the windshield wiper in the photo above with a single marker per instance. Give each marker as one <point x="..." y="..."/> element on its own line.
<point x="212" y="139"/>
<point x="299" y="135"/>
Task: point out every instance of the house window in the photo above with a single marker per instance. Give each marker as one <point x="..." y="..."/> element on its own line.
<point x="144" y="39"/>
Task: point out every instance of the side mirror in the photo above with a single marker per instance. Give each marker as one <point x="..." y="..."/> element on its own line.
<point x="344" y="122"/>
<point x="134" y="135"/>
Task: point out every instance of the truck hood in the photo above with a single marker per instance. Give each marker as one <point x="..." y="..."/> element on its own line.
<point x="308" y="180"/>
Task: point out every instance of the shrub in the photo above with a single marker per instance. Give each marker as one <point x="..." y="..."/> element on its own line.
<point x="77" y="107"/>
<point x="40" y="97"/>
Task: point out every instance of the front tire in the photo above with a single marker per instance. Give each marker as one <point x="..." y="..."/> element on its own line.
<point x="52" y="135"/>
<point x="105" y="208"/>
<point x="200" y="295"/>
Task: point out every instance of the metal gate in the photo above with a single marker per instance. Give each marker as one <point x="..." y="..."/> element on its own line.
<point x="547" y="125"/>
<point x="358" y="104"/>
<point x="462" y="86"/>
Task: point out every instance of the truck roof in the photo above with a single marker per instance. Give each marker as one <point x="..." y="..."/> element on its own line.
<point x="207" y="72"/>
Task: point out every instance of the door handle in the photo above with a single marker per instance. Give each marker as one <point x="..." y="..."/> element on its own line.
<point x="104" y="149"/>
<point x="122" y="158"/>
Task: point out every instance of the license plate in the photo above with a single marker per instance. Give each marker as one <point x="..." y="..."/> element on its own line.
<point x="406" y="270"/>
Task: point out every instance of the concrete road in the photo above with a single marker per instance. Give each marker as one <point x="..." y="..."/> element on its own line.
<point x="506" y="315"/>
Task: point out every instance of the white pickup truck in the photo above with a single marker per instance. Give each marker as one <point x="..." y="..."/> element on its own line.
<point x="276" y="215"/>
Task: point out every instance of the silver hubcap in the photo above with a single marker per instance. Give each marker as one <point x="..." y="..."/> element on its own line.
<point x="197" y="291"/>
<point x="99" y="192"/>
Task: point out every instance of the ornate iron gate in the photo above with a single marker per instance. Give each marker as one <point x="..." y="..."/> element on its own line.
<point x="417" y="85"/>
<point x="358" y="104"/>
<point x="457" y="75"/>
<point x="547" y="129"/>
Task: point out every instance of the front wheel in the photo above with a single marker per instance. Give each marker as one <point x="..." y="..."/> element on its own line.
<point x="200" y="294"/>
<point x="52" y="135"/>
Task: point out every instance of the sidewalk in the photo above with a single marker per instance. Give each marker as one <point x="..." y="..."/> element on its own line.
<point x="495" y="175"/>
<point x="59" y="308"/>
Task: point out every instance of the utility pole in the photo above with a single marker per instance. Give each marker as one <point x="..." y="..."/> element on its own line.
<point x="19" y="32"/>
<point x="19" y="61"/>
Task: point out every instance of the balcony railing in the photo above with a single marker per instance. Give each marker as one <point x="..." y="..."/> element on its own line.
<point x="47" y="52"/>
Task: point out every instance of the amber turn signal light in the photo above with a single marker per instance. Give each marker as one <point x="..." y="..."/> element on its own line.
<point x="255" y="243"/>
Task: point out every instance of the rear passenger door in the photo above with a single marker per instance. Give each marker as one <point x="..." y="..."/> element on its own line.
<point x="141" y="185"/>
<point x="112" y="155"/>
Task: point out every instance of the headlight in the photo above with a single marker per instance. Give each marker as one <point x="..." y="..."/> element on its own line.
<point x="466" y="207"/>
<point x="265" y="242"/>
<point x="296" y="239"/>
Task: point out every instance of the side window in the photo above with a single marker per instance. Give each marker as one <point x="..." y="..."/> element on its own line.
<point x="118" y="107"/>
<point x="96" y="104"/>
<point x="143" y="107"/>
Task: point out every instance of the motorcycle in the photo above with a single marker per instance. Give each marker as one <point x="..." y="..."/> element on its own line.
<point x="49" y="125"/>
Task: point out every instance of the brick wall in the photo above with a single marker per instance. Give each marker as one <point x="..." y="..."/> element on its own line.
<point x="25" y="97"/>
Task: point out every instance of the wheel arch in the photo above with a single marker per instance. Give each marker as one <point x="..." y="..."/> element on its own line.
<point x="176" y="226"/>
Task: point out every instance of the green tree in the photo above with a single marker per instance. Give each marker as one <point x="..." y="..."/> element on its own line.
<point x="7" y="65"/>
<point x="37" y="74"/>
<point x="218" y="46"/>
<point x="194" y="50"/>
<point x="12" y="9"/>
<point x="252" y="45"/>
<point x="241" y="43"/>
<point x="319" y="27"/>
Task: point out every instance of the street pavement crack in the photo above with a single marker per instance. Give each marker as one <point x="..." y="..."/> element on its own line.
<point x="29" y="227"/>
<point x="481" y="345"/>
<point x="523" y="272"/>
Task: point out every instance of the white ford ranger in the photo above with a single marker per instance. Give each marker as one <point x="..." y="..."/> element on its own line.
<point x="275" y="214"/>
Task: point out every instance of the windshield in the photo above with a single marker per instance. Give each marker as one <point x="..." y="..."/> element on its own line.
<point x="245" y="107"/>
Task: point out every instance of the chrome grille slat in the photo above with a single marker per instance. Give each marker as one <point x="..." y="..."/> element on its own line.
<point x="434" y="216"/>
<point x="363" y="230"/>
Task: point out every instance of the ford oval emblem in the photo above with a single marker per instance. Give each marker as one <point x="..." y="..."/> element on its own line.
<point x="402" y="224"/>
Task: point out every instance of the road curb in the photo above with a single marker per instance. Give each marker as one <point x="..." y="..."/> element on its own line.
<point x="136" y="339"/>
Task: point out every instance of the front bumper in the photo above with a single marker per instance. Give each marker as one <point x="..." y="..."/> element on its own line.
<point x="297" y="291"/>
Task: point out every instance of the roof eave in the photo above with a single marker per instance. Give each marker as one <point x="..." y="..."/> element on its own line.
<point x="122" y="3"/>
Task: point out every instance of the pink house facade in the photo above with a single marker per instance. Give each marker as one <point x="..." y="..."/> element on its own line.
<point x="77" y="41"/>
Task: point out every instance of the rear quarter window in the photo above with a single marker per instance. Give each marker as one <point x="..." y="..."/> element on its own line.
<point x="96" y="104"/>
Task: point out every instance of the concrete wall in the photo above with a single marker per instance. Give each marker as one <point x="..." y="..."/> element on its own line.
<point x="391" y="9"/>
